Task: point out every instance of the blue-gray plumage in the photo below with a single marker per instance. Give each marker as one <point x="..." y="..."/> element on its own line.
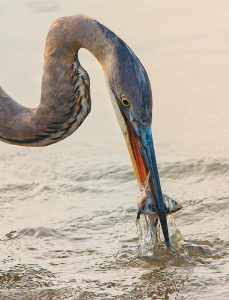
<point x="65" y="98"/>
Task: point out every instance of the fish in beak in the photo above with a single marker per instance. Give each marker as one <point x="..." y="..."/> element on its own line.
<point x="140" y="145"/>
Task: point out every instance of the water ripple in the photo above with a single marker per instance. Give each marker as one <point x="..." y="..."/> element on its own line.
<point x="38" y="232"/>
<point x="25" y="276"/>
<point x="198" y="168"/>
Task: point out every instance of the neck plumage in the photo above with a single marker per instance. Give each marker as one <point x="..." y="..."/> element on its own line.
<point x="65" y="92"/>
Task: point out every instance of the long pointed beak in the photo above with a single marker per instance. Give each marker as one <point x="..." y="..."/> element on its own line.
<point x="140" y="145"/>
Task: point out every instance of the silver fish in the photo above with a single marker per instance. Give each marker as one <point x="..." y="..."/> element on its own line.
<point x="146" y="205"/>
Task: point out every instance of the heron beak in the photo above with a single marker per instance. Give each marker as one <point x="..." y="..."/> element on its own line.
<point x="140" y="145"/>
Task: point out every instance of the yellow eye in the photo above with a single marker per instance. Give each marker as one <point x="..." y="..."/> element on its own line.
<point x="125" y="101"/>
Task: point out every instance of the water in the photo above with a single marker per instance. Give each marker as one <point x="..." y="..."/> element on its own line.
<point x="68" y="211"/>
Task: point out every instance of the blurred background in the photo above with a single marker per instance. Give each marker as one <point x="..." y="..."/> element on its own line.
<point x="68" y="211"/>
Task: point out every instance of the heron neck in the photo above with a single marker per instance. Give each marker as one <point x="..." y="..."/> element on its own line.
<point x="68" y="34"/>
<point x="65" y="94"/>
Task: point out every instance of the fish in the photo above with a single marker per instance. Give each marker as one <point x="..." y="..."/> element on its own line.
<point x="146" y="205"/>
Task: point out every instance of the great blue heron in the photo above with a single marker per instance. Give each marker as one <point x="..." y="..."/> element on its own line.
<point x="65" y="98"/>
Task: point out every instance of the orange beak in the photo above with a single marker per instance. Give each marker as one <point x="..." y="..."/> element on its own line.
<point x="140" y="145"/>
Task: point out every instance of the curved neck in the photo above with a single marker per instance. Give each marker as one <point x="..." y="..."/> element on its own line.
<point x="65" y="94"/>
<point x="74" y="32"/>
<point x="68" y="34"/>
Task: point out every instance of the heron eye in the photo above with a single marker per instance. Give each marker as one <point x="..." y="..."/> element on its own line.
<point x="125" y="101"/>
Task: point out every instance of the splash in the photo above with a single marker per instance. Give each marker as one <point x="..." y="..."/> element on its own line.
<point x="150" y="236"/>
<point x="148" y="228"/>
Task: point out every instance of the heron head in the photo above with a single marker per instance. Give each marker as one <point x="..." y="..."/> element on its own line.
<point x="132" y="99"/>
